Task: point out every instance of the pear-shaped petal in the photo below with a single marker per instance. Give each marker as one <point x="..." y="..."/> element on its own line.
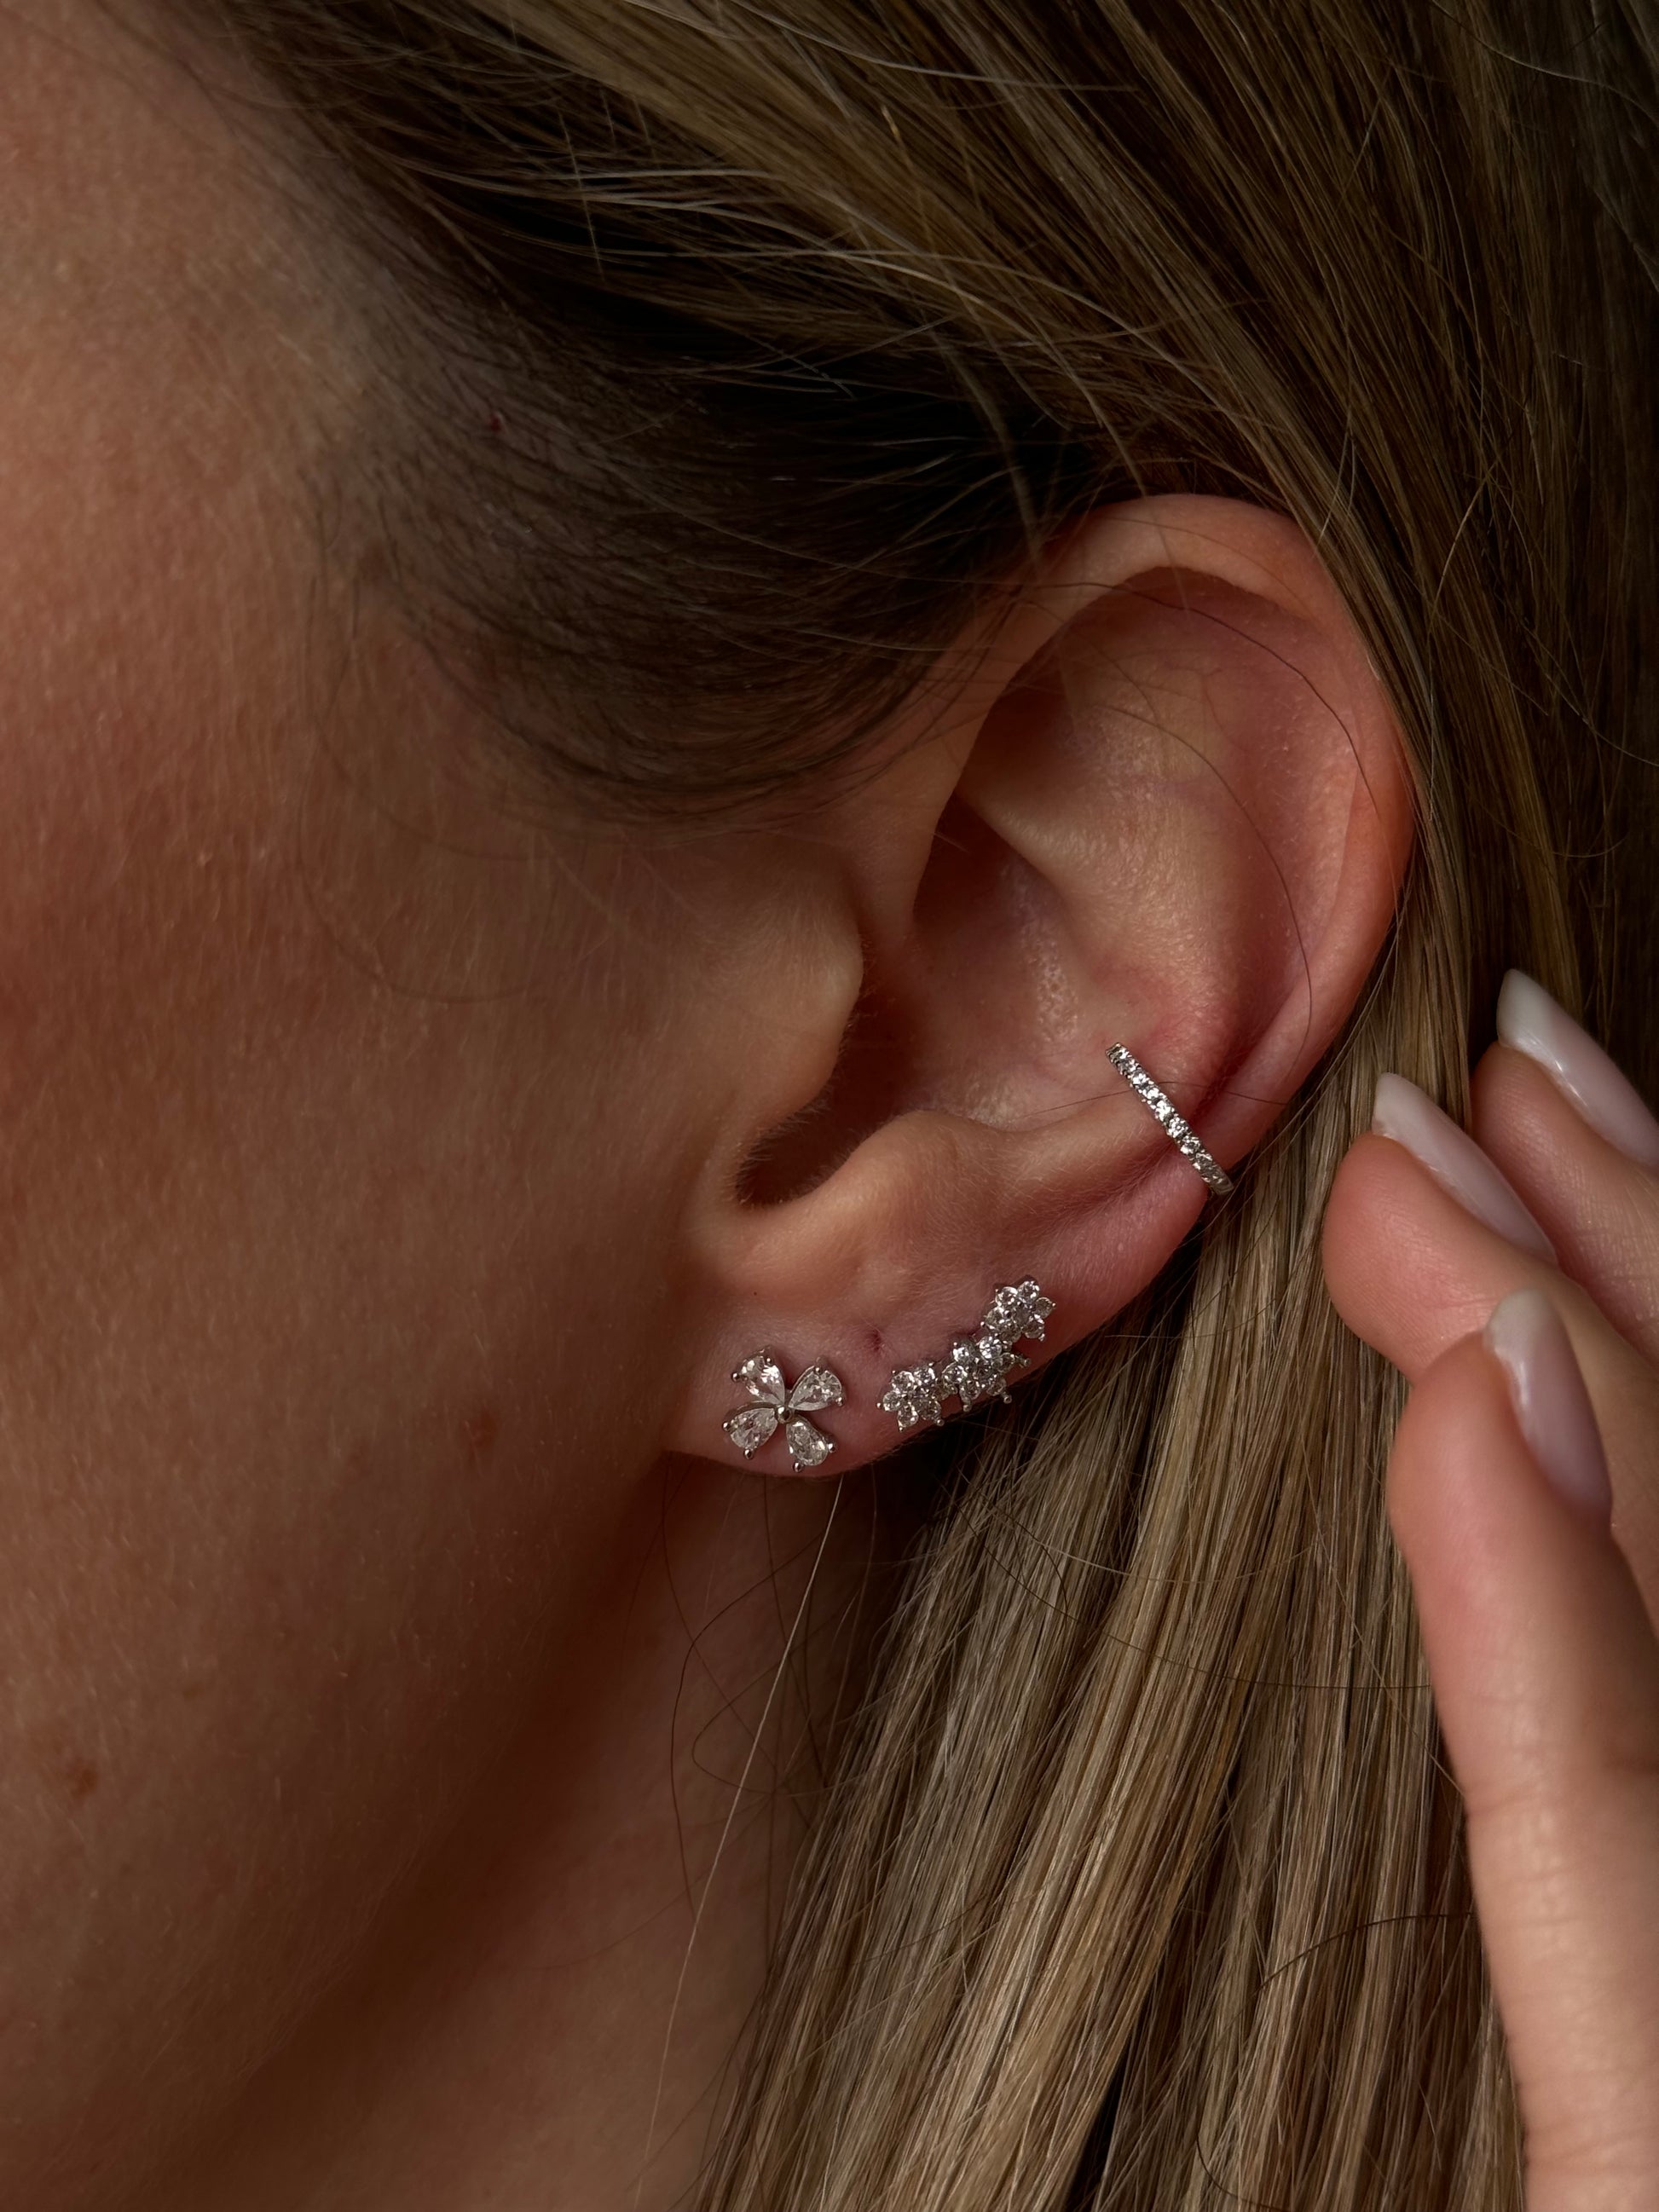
<point x="750" y="1426"/>
<point x="808" y="1447"/>
<point x="815" y="1388"/>
<point x="763" y="1378"/>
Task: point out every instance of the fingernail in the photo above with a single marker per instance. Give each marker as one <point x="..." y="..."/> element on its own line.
<point x="1530" y="1021"/>
<point x="1411" y="1117"/>
<point x="1551" y="1402"/>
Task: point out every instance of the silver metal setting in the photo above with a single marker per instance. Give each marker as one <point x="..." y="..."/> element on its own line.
<point x="774" y="1404"/>
<point x="1179" y="1133"/>
<point x="978" y="1364"/>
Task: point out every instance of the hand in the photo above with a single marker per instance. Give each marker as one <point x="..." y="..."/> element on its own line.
<point x="1523" y="1489"/>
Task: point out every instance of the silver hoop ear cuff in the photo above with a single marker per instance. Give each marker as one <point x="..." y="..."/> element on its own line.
<point x="1162" y="1109"/>
<point x="774" y="1404"/>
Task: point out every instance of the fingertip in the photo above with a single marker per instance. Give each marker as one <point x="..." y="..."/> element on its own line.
<point x="1546" y="1679"/>
<point x="1404" y="1263"/>
<point x="1550" y="1405"/>
<point x="1365" y="1202"/>
<point x="1497" y="1497"/>
<point x="1449" y="1454"/>
<point x="1539" y="1650"/>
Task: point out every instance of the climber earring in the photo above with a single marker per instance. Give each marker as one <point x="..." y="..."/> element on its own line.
<point x="977" y="1367"/>
<point x="774" y="1404"/>
<point x="1162" y="1109"/>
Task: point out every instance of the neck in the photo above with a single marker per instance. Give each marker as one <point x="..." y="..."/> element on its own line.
<point x="549" y="2014"/>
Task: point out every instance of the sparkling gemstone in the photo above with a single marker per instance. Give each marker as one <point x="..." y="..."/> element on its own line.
<point x="763" y="1378"/>
<point x="815" y="1388"/>
<point x="914" y="1396"/>
<point x="1179" y="1130"/>
<point x="751" y="1426"/>
<point x="1018" y="1309"/>
<point x="774" y="1402"/>
<point x="979" y="1368"/>
<point x="808" y="1447"/>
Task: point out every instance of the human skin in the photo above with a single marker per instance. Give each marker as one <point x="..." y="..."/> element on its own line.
<point x="387" y="1633"/>
<point x="1538" y="1615"/>
<point x="334" y="1276"/>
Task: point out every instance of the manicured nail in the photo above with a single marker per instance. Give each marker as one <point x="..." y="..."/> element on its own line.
<point x="1530" y="1021"/>
<point x="1551" y="1402"/>
<point x="1411" y="1117"/>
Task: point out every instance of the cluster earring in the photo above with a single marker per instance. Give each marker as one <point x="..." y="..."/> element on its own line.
<point x="774" y="1404"/>
<point x="977" y="1365"/>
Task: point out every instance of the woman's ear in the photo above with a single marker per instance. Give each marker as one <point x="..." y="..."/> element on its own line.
<point x="1168" y="806"/>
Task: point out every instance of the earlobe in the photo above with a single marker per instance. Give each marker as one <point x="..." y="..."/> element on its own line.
<point x="1176" y="819"/>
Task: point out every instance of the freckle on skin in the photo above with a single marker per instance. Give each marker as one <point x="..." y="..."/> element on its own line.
<point x="480" y="1431"/>
<point x="878" y="1343"/>
<point x="80" y="1779"/>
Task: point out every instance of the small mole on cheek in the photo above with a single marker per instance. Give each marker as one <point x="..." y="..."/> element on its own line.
<point x="878" y="1343"/>
<point x="80" y="1779"/>
<point x="480" y="1431"/>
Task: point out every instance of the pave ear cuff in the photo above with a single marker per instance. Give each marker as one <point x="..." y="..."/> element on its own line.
<point x="977" y="1367"/>
<point x="1162" y="1109"/>
<point x="774" y="1404"/>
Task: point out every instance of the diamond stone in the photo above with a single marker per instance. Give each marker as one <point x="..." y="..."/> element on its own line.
<point x="750" y="1427"/>
<point x="817" y="1387"/>
<point x="762" y="1378"/>
<point x="979" y="1368"/>
<point x="808" y="1447"/>
<point x="914" y="1396"/>
<point x="1179" y="1131"/>
<point x="1017" y="1310"/>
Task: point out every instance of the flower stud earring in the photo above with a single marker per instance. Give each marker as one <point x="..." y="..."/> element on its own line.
<point x="1017" y="1310"/>
<point x="977" y="1367"/>
<point x="980" y="1366"/>
<point x="915" y="1395"/>
<point x="774" y="1405"/>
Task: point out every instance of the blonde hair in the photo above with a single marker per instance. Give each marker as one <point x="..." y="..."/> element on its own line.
<point x="739" y="346"/>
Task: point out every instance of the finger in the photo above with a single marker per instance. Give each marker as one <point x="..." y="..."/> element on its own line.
<point x="1545" y="1677"/>
<point x="1412" y="1270"/>
<point x="1581" y="1148"/>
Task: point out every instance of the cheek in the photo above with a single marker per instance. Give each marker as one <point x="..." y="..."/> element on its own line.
<point x="293" y="1451"/>
<point x="324" y="1258"/>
